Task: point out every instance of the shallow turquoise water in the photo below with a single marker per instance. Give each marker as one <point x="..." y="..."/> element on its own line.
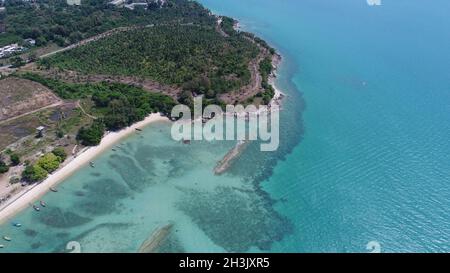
<point x="373" y="165"/>
<point x="364" y="149"/>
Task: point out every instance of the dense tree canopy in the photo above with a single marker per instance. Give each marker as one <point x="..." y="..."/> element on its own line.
<point x="197" y="58"/>
<point x="265" y="69"/>
<point x="56" y="21"/>
<point x="49" y="162"/>
<point x="118" y="105"/>
<point x="34" y="173"/>
<point x="92" y="135"/>
<point x="46" y="164"/>
<point x="61" y="153"/>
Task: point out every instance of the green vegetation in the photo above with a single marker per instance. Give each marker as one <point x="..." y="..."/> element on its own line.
<point x="55" y="21"/>
<point x="92" y="135"/>
<point x="3" y="167"/>
<point x="259" y="41"/>
<point x="49" y="162"/>
<point x="111" y="99"/>
<point x="63" y="89"/>
<point x="34" y="173"/>
<point x="17" y="61"/>
<point x="196" y="58"/>
<point x="46" y="164"/>
<point x="9" y="38"/>
<point x="117" y="105"/>
<point x="61" y="153"/>
<point x="15" y="159"/>
<point x="265" y="69"/>
<point x="227" y="26"/>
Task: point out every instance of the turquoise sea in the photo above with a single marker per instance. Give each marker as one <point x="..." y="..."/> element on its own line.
<point x="364" y="151"/>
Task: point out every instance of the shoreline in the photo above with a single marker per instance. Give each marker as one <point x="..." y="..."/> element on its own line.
<point x="32" y="193"/>
<point x="227" y="161"/>
<point x="73" y="163"/>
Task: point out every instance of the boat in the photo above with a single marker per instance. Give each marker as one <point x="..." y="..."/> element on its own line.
<point x="53" y="189"/>
<point x="114" y="149"/>
<point x="139" y="130"/>
<point x="36" y="208"/>
<point x="2" y="246"/>
<point x="6" y="238"/>
<point x="43" y="204"/>
<point x="17" y="224"/>
<point x="92" y="164"/>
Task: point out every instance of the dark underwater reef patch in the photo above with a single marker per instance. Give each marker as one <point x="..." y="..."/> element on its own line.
<point x="178" y="161"/>
<point x="132" y="175"/>
<point x="30" y="232"/>
<point x="62" y="247"/>
<point x="59" y="218"/>
<point x="101" y="196"/>
<point x="292" y="131"/>
<point x="235" y="220"/>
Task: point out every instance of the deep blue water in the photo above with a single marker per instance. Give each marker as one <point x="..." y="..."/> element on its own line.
<point x="364" y="151"/>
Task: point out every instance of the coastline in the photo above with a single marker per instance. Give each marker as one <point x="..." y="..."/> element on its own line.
<point x="227" y="161"/>
<point x="33" y="193"/>
<point x="30" y="194"/>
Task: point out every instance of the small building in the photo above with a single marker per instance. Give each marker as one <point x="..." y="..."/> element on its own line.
<point x="116" y="2"/>
<point x="40" y="131"/>
<point x="29" y="41"/>
<point x="73" y="2"/>
<point x="132" y="6"/>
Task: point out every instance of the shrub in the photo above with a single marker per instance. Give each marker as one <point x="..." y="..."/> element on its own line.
<point x="61" y="153"/>
<point x="3" y="167"/>
<point x="34" y="173"/>
<point x="91" y="136"/>
<point x="49" y="162"/>
<point x="15" y="159"/>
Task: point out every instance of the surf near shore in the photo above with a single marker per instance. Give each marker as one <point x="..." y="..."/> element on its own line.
<point x="32" y="194"/>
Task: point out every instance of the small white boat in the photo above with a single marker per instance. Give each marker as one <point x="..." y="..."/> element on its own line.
<point x="6" y="238"/>
<point x="43" y="204"/>
<point x="53" y="189"/>
<point x="92" y="164"/>
<point x="36" y="208"/>
<point x="2" y="246"/>
<point x="17" y="224"/>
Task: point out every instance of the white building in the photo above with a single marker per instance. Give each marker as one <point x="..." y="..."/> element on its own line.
<point x="73" y="2"/>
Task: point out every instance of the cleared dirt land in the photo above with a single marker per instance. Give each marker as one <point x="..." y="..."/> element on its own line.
<point x="20" y="96"/>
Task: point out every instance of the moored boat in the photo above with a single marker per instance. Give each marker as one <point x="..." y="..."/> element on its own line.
<point x="36" y="208"/>
<point x="53" y="189"/>
<point x="43" y="204"/>
<point x="17" y="224"/>
<point x="6" y="238"/>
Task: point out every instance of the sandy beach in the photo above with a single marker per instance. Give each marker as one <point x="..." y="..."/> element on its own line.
<point x="72" y="164"/>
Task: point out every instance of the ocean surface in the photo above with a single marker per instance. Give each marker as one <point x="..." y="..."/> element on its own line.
<point x="364" y="151"/>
